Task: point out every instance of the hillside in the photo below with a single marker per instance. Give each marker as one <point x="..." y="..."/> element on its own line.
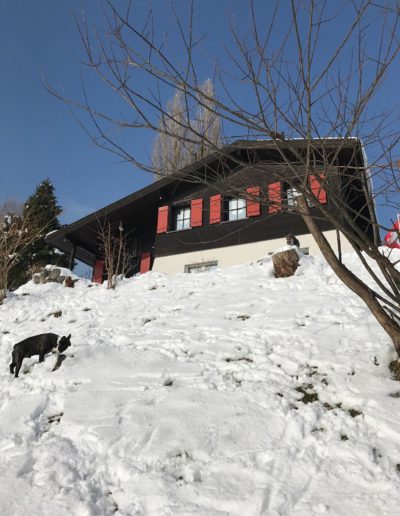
<point x="222" y="393"/>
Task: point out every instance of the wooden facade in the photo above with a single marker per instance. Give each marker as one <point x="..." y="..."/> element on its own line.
<point x="199" y="207"/>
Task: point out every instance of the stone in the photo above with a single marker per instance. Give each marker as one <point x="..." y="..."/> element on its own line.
<point x="285" y="263"/>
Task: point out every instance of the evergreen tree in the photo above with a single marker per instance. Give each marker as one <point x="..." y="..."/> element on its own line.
<point x="42" y="206"/>
<point x="42" y="209"/>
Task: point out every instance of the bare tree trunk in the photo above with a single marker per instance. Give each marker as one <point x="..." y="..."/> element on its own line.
<point x="117" y="252"/>
<point x="16" y="234"/>
<point x="349" y="279"/>
<point x="3" y="285"/>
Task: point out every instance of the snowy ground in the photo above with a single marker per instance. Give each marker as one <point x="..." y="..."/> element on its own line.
<point x="183" y="395"/>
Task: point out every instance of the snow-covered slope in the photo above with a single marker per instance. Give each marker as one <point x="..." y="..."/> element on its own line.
<point x="186" y="395"/>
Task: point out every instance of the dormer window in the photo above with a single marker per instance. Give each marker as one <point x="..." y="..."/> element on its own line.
<point x="234" y="208"/>
<point x="182" y="218"/>
<point x="291" y="194"/>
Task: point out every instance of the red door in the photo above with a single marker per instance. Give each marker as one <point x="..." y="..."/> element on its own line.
<point x="145" y="262"/>
<point x="98" y="270"/>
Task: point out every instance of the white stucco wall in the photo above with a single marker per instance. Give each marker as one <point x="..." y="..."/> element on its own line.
<point x="234" y="255"/>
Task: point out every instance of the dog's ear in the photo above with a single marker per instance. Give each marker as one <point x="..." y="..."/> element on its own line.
<point x="69" y="337"/>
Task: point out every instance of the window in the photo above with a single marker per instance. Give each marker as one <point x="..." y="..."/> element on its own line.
<point x="201" y="267"/>
<point x="182" y="218"/>
<point x="302" y="250"/>
<point x="234" y="208"/>
<point x="291" y="194"/>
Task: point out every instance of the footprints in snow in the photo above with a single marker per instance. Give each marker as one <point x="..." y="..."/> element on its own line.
<point x="181" y="467"/>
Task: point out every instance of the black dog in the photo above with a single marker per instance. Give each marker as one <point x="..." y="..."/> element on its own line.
<point x="37" y="345"/>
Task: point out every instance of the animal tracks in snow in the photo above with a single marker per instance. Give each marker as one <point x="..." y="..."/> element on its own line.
<point x="224" y="393"/>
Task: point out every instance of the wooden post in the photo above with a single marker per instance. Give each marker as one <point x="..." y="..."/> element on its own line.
<point x="285" y="263"/>
<point x="339" y="245"/>
<point x="72" y="257"/>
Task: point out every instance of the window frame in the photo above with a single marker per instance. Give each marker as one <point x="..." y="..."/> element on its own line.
<point x="292" y="197"/>
<point x="181" y="218"/>
<point x="228" y="211"/>
<point x="195" y="268"/>
<point x="293" y="204"/>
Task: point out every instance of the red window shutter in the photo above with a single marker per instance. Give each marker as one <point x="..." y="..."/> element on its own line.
<point x="274" y="197"/>
<point x="145" y="262"/>
<point x="317" y="190"/>
<point x="163" y="216"/>
<point x="215" y="209"/>
<point x="98" y="271"/>
<point x="253" y="205"/>
<point x="196" y="213"/>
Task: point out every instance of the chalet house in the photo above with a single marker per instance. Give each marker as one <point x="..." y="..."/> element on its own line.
<point x="228" y="208"/>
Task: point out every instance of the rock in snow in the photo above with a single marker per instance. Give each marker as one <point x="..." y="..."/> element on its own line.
<point x="224" y="393"/>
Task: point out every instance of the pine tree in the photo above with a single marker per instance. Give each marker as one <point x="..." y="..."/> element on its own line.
<point x="43" y="207"/>
<point x="43" y="210"/>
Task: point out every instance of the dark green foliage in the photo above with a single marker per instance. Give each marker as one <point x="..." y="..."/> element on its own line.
<point x="18" y="274"/>
<point x="42" y="208"/>
<point x="42" y="205"/>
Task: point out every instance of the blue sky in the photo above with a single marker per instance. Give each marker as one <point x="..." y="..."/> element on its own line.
<point x="39" y="137"/>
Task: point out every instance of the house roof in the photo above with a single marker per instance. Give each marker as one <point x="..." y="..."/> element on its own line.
<point x="78" y="232"/>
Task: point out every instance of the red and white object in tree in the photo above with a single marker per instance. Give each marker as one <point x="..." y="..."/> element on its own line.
<point x="392" y="237"/>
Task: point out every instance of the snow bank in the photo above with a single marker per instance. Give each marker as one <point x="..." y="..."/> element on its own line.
<point x="222" y="393"/>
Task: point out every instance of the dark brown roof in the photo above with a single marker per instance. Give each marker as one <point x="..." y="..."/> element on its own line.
<point x="151" y="193"/>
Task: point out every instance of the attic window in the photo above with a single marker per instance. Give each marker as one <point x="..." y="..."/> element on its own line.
<point x="234" y="208"/>
<point x="291" y="194"/>
<point x="182" y="218"/>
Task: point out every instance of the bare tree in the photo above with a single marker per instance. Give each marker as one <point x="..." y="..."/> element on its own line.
<point x="10" y="207"/>
<point x="119" y="249"/>
<point x="171" y="152"/>
<point x="293" y="85"/>
<point x="16" y="235"/>
<point x="207" y="121"/>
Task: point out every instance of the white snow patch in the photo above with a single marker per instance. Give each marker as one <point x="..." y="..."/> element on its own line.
<point x="182" y="395"/>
